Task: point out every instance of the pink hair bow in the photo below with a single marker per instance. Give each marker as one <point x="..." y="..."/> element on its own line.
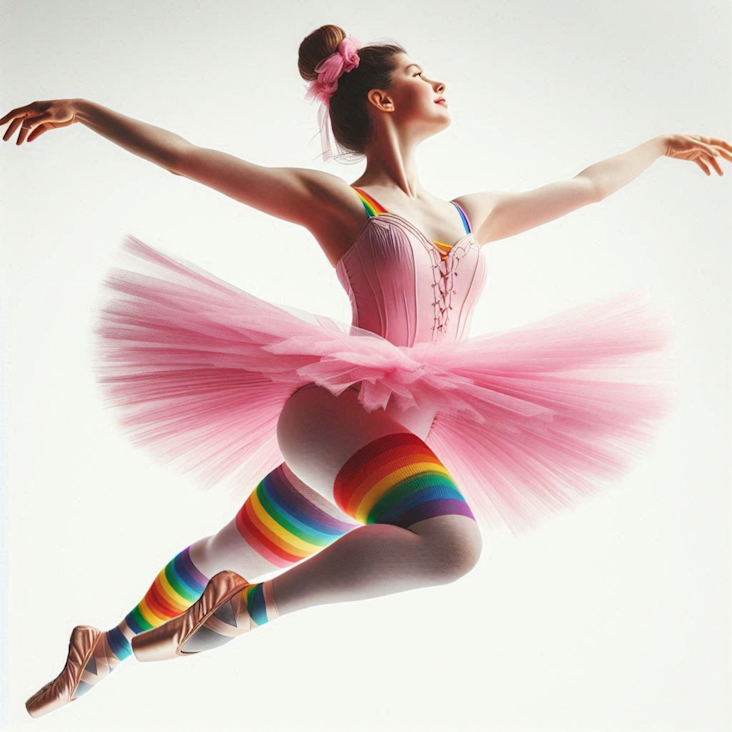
<point x="329" y="70"/>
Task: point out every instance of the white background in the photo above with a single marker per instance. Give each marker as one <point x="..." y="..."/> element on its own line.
<point x="614" y="616"/>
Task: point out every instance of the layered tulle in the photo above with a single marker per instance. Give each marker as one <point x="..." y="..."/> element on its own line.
<point x="528" y="420"/>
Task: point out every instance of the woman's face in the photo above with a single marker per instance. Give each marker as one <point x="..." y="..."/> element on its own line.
<point x="415" y="94"/>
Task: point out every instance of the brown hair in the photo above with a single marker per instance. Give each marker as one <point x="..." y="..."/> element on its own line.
<point x="349" y="116"/>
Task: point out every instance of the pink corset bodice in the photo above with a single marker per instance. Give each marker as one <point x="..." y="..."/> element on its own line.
<point x="404" y="287"/>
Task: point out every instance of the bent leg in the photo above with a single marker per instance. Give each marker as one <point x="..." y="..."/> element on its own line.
<point x="417" y="529"/>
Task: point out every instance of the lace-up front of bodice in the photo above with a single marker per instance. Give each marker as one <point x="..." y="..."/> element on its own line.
<point x="404" y="286"/>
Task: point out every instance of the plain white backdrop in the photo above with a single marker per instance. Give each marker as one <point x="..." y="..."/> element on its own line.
<point x="612" y="617"/>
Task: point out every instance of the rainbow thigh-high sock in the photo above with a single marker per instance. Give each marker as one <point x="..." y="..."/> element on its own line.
<point x="394" y="479"/>
<point x="397" y="479"/>
<point x="286" y="521"/>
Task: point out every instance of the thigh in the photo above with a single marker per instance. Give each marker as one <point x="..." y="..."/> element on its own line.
<point x="369" y="464"/>
<point x="282" y="521"/>
<point x="318" y="432"/>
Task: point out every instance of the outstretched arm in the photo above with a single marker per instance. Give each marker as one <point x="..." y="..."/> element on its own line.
<point x="501" y="214"/>
<point x="155" y="144"/>
<point x="299" y="195"/>
<point x="152" y="143"/>
<point x="612" y="174"/>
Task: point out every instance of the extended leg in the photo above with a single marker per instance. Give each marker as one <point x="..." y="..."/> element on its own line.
<point x="282" y="522"/>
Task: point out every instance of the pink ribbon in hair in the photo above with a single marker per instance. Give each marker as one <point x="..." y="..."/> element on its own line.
<point x="330" y="68"/>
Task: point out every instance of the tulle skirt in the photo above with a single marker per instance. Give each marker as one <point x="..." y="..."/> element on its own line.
<point x="527" y="421"/>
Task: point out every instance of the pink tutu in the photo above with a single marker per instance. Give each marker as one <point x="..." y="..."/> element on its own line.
<point x="527" y="420"/>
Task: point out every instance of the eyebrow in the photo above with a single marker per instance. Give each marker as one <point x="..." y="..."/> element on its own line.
<point x="410" y="66"/>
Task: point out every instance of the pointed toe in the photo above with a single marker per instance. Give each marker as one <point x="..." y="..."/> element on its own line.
<point x="61" y="690"/>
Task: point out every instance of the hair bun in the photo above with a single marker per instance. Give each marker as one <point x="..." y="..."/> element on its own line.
<point x="316" y="47"/>
<point x="345" y="122"/>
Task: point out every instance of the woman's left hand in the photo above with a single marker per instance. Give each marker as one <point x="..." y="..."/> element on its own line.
<point x="699" y="149"/>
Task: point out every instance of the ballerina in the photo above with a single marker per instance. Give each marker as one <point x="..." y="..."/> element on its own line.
<point x="370" y="452"/>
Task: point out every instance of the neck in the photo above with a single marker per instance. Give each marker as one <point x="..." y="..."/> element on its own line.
<point x="391" y="163"/>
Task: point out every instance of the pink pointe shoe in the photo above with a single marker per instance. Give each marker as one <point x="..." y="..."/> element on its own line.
<point x="223" y="622"/>
<point x="61" y="690"/>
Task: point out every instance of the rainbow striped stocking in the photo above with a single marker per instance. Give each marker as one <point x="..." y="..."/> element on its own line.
<point x="282" y="522"/>
<point x="390" y="484"/>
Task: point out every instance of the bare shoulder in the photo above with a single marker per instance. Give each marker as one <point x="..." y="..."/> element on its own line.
<point x="300" y="195"/>
<point x="497" y="215"/>
<point x="336" y="198"/>
<point x="339" y="216"/>
<point x="321" y="202"/>
<point x="478" y="207"/>
<point x="325" y="205"/>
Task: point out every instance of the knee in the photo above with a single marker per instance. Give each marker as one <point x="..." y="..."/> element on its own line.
<point x="455" y="545"/>
<point x="203" y="554"/>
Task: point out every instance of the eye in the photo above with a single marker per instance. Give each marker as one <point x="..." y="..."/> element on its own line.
<point x="420" y="73"/>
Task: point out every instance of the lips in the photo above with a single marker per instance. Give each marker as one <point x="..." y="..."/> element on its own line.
<point x="441" y="101"/>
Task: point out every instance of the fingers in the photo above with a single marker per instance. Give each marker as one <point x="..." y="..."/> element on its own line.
<point x="699" y="160"/>
<point x="24" y="130"/>
<point x="42" y="115"/>
<point x="17" y="115"/>
<point x="702" y="166"/>
<point x="13" y="125"/>
<point x="39" y="131"/>
<point x="724" y="147"/>
<point x="714" y="147"/>
<point x="707" y="148"/>
<point x="716" y="166"/>
<point x="721" y="148"/>
<point x="13" y="113"/>
<point x="719" y="142"/>
<point x="21" y="120"/>
<point x="29" y="125"/>
<point x="704" y="151"/>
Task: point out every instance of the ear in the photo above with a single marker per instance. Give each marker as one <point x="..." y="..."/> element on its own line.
<point x="381" y="100"/>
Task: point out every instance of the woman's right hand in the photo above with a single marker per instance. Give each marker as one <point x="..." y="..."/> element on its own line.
<point x="38" y="117"/>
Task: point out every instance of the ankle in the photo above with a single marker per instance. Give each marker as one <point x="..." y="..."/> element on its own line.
<point x="260" y="602"/>
<point x="119" y="643"/>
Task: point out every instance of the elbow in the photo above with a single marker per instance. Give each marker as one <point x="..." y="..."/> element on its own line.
<point x="176" y="160"/>
<point x="597" y="194"/>
<point x="593" y="189"/>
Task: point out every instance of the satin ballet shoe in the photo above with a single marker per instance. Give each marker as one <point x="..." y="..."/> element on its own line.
<point x="61" y="690"/>
<point x="225" y="621"/>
